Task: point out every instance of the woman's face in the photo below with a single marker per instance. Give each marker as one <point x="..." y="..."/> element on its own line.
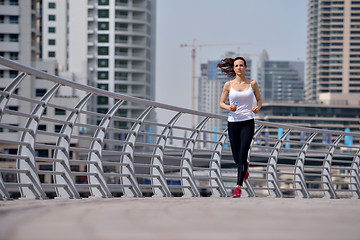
<point x="239" y="67"/>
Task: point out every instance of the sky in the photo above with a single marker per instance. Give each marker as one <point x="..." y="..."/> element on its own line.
<point x="277" y="26"/>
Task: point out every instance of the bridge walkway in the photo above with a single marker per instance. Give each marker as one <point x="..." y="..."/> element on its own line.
<point x="181" y="218"/>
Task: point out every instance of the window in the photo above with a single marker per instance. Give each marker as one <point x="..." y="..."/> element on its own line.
<point x="14" y="19"/>
<point x="103" y="75"/>
<point x="2" y="19"/>
<point x="121" y="39"/>
<point x="103" y="50"/>
<point x="16" y="108"/>
<point x="14" y="37"/>
<point x="121" y="88"/>
<point x="59" y="111"/>
<point x="51" y="41"/>
<point x="42" y="127"/>
<point x="102" y="100"/>
<point x="103" y="86"/>
<point x="121" y="14"/>
<point x="57" y="128"/>
<point x="121" y="26"/>
<point x="121" y="76"/>
<point x="14" y="2"/>
<point x="42" y="153"/>
<point x="103" y="13"/>
<point x="52" y="5"/>
<point x="102" y="110"/>
<point x="103" y="38"/>
<point x="51" y="54"/>
<point x="103" y="26"/>
<point x="103" y="2"/>
<point x="121" y="2"/>
<point x="52" y="17"/>
<point x="121" y="64"/>
<point x="103" y="63"/>
<point x="52" y="30"/>
<point x="121" y="113"/>
<point x="2" y="37"/>
<point x="14" y="56"/>
<point x="121" y="51"/>
<point x="13" y="73"/>
<point x="39" y="92"/>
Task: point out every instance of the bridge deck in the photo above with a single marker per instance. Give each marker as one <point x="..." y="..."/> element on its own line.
<point x="181" y="218"/>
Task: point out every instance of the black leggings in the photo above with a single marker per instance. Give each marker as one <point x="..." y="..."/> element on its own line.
<point x="240" y="136"/>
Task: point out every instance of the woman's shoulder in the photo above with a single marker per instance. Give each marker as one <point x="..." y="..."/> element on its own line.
<point x="227" y="84"/>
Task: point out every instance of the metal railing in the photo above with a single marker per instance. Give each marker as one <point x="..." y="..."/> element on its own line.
<point x="57" y="143"/>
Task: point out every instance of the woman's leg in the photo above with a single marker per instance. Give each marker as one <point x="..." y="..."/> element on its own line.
<point x="234" y="138"/>
<point x="246" y="135"/>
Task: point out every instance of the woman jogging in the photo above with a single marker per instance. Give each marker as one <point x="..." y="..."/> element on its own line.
<point x="241" y="125"/>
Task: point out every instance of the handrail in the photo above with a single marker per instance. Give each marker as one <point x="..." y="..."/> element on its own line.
<point x="66" y="148"/>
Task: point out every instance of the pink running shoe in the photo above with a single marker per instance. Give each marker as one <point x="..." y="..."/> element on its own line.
<point x="236" y="193"/>
<point x="247" y="172"/>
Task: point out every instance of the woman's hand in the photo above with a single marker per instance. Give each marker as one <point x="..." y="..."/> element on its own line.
<point x="255" y="109"/>
<point x="232" y="108"/>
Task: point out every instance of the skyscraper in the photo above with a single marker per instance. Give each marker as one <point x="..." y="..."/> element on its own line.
<point x="109" y="44"/>
<point x="121" y="47"/>
<point x="280" y="80"/>
<point x="22" y="30"/>
<point x="333" y="52"/>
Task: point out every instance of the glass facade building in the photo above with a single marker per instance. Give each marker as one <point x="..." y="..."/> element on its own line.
<point x="280" y="80"/>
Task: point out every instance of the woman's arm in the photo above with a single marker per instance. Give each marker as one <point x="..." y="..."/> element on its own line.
<point x="255" y="87"/>
<point x="223" y="98"/>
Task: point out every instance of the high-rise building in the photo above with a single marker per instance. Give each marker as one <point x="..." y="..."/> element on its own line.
<point x="21" y="39"/>
<point x="19" y="32"/>
<point x="280" y="80"/>
<point x="121" y="49"/>
<point x="55" y="32"/>
<point x="109" y="44"/>
<point x="333" y="52"/>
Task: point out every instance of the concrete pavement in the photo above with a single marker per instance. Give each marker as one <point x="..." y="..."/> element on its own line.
<point x="180" y="218"/>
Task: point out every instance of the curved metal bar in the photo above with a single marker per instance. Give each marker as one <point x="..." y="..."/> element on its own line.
<point x="64" y="166"/>
<point x="159" y="161"/>
<point x="97" y="145"/>
<point x="329" y="190"/>
<point x="215" y="169"/>
<point x="3" y="192"/>
<point x="30" y="186"/>
<point x="354" y="176"/>
<point x="186" y="163"/>
<point x="10" y="89"/>
<point x="299" y="177"/>
<point x="129" y="148"/>
<point x="86" y="88"/>
<point x="4" y="99"/>
<point x="273" y="183"/>
<point x="29" y="150"/>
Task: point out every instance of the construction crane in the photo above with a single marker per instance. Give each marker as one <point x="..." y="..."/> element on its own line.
<point x="194" y="46"/>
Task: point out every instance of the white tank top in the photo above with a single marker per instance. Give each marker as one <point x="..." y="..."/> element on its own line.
<point x="243" y="102"/>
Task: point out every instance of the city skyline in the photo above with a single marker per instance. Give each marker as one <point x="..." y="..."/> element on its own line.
<point x="278" y="26"/>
